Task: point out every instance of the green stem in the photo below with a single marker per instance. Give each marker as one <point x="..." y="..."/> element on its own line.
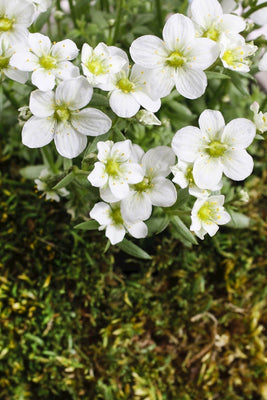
<point x="118" y="20"/>
<point x="48" y="159"/>
<point x="159" y="15"/>
<point x="253" y="9"/>
<point x="73" y="14"/>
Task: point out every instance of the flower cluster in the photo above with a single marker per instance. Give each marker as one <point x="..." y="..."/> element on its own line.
<point x="132" y="181"/>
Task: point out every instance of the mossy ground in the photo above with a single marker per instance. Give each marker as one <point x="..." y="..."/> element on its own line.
<point x="78" y="323"/>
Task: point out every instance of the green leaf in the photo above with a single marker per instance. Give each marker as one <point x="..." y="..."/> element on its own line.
<point x="238" y="220"/>
<point x="65" y="181"/>
<point x="87" y="225"/>
<point x="99" y="100"/>
<point x="216" y="75"/>
<point x="157" y="224"/>
<point x="181" y="111"/>
<point x="183" y="230"/>
<point x="32" y="171"/>
<point x="132" y="249"/>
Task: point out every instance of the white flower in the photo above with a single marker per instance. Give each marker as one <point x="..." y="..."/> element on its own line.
<point x="263" y="63"/>
<point x="101" y="63"/>
<point x="178" y="60"/>
<point x="109" y="217"/>
<point x="147" y="118"/>
<point x="234" y="52"/>
<point x="154" y="189"/>
<point x="260" y="16"/>
<point x="115" y="170"/>
<point x="50" y="194"/>
<point x="207" y="214"/>
<point x="48" y="62"/>
<point x="229" y="5"/>
<point x="130" y="88"/>
<point x="211" y="22"/>
<point x="58" y="116"/>
<point x="15" y="17"/>
<point x="260" y="118"/>
<point x="6" y="52"/>
<point x="215" y="149"/>
<point x="183" y="176"/>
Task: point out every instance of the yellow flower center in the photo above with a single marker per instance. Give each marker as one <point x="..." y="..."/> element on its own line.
<point x="143" y="186"/>
<point x="212" y="34"/>
<point x="176" y="59"/>
<point x="5" y="24"/>
<point x="205" y="213"/>
<point x="62" y="114"/>
<point x="47" y="62"/>
<point x="112" y="167"/>
<point x="229" y="57"/>
<point x="216" y="148"/>
<point x="115" y="215"/>
<point x="95" y="67"/>
<point x="125" y="85"/>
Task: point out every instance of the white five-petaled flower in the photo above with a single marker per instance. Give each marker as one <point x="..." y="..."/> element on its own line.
<point x="215" y="149"/>
<point x="57" y="115"/>
<point x="207" y="214"/>
<point x="234" y="52"/>
<point x="48" y="62"/>
<point x="115" y="170"/>
<point x="101" y="63"/>
<point x="15" y="17"/>
<point x="211" y="22"/>
<point x="154" y="189"/>
<point x="6" y="52"/>
<point x="178" y="60"/>
<point x="109" y="217"/>
<point x="260" y="118"/>
<point x="183" y="176"/>
<point x="129" y="89"/>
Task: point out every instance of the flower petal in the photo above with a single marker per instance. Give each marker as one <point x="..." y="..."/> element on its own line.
<point x="146" y="102"/>
<point x="69" y="143"/>
<point x="157" y="161"/>
<point x="188" y="143"/>
<point x="190" y="83"/>
<point x="207" y="172"/>
<point x="232" y="23"/>
<point x="178" y="32"/>
<point x="239" y="133"/>
<point x="115" y="233"/>
<point x="101" y="213"/>
<point x="39" y="44"/>
<point x="75" y="92"/>
<point x="42" y="103"/>
<point x="136" y="206"/>
<point x="149" y="51"/>
<point x="91" y="122"/>
<point x="211" y="228"/>
<point x="66" y="70"/>
<point x="203" y="53"/>
<point x="237" y="164"/>
<point x="38" y="132"/>
<point x="24" y="60"/>
<point x="119" y="187"/>
<point x="138" y="229"/>
<point x="98" y="176"/>
<point x="211" y="123"/>
<point x="205" y="11"/>
<point x="65" y="50"/>
<point x="123" y="104"/>
<point x="43" y="79"/>
<point x="163" y="193"/>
